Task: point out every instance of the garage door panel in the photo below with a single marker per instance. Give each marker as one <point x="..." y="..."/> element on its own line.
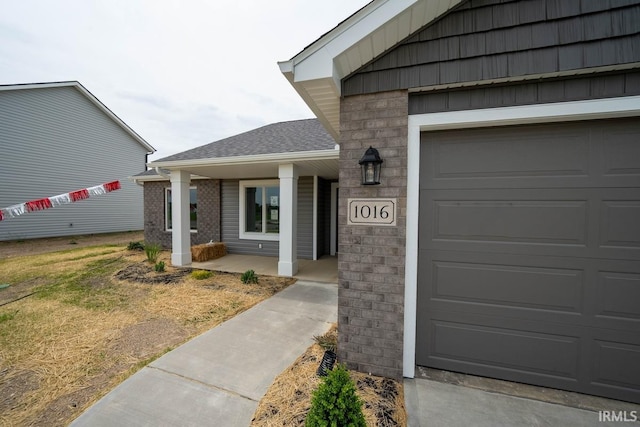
<point x="508" y="285"/>
<point x="511" y="221"/>
<point x="618" y="299"/>
<point x="491" y="153"/>
<point x="530" y="289"/>
<point x="567" y="155"/>
<point x="615" y="363"/>
<point x="620" y="224"/>
<point x="596" y="223"/>
<point x="621" y="154"/>
<point x="491" y="343"/>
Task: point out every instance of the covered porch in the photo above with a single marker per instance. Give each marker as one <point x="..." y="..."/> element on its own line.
<point x="324" y="269"/>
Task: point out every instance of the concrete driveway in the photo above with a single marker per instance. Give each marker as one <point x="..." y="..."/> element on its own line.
<point x="460" y="400"/>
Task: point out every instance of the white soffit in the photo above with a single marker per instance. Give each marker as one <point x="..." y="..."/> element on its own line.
<point x="317" y="71"/>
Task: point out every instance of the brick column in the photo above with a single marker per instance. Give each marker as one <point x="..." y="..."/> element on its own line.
<point x="371" y="258"/>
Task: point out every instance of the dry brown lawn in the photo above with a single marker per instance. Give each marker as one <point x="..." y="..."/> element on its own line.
<point x="77" y="322"/>
<point x="82" y="313"/>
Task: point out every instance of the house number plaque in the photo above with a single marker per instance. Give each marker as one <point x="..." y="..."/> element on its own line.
<point x="371" y="211"/>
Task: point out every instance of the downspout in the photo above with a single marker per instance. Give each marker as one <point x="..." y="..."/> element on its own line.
<point x="162" y="174"/>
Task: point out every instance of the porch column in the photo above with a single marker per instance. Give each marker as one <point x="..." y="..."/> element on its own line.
<point x="181" y="235"/>
<point x="288" y="262"/>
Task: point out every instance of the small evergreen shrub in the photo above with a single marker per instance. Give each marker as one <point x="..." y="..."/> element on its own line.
<point x="201" y="274"/>
<point x="249" y="276"/>
<point x="159" y="266"/>
<point x="152" y="251"/>
<point x="335" y="403"/>
<point x="135" y="246"/>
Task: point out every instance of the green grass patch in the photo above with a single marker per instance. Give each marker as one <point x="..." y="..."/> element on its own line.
<point x="201" y="274"/>
<point x="90" y="287"/>
<point x="5" y="317"/>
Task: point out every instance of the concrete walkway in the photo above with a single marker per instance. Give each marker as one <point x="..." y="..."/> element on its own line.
<point x="219" y="377"/>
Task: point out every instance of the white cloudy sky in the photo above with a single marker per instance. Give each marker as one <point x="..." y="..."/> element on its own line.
<point x="180" y="73"/>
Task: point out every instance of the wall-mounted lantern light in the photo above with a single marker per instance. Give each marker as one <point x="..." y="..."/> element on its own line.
<point x="370" y="164"/>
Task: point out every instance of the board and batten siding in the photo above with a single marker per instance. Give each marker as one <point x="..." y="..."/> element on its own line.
<point x="53" y="141"/>
<point x="230" y="222"/>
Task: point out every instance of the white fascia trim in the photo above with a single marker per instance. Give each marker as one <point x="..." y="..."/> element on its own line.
<point x="246" y="160"/>
<point x="317" y="60"/>
<point x="157" y="178"/>
<point x="542" y="113"/>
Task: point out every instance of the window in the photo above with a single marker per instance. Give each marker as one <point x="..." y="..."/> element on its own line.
<point x="193" y="209"/>
<point x="260" y="210"/>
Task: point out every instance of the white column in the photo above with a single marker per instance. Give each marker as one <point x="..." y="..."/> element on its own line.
<point x="288" y="262"/>
<point x="181" y="235"/>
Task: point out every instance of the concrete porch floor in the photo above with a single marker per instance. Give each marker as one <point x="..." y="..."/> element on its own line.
<point x="323" y="270"/>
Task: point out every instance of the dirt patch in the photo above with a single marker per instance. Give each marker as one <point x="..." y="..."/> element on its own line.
<point x="143" y="272"/>
<point x="15" y="248"/>
<point x="147" y="338"/>
<point x="14" y="384"/>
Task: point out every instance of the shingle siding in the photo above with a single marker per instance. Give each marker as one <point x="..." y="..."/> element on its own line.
<point x="53" y="141"/>
<point x="570" y="89"/>
<point x="371" y="258"/>
<point x="497" y="40"/>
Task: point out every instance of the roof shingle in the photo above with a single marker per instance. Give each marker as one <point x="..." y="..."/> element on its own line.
<point x="283" y="137"/>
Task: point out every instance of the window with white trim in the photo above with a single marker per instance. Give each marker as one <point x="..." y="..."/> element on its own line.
<point x="193" y="209"/>
<point x="259" y="210"/>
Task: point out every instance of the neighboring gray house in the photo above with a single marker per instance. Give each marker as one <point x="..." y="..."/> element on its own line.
<point x="235" y="193"/>
<point x="510" y="134"/>
<point x="56" y="138"/>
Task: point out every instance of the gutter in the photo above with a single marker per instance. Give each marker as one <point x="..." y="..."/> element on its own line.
<point x="259" y="158"/>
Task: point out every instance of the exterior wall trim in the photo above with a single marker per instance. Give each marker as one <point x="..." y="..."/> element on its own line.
<point x="541" y="113"/>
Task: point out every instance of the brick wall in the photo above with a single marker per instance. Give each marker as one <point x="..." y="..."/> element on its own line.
<point x="371" y="258"/>
<point x="208" y="212"/>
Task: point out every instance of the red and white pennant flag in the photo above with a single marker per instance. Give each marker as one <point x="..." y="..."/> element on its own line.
<point x="60" y="199"/>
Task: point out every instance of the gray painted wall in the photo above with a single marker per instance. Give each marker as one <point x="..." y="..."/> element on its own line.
<point x="53" y="141"/>
<point x="484" y="40"/>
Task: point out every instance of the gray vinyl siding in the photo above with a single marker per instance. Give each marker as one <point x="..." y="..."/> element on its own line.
<point x="305" y="217"/>
<point x="230" y="227"/>
<point x="570" y="89"/>
<point x="486" y="40"/>
<point x="53" y="141"/>
<point x="230" y="223"/>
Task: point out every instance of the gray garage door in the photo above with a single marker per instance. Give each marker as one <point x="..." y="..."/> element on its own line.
<point x="529" y="255"/>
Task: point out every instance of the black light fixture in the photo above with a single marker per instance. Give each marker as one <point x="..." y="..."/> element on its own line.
<point x="370" y="164"/>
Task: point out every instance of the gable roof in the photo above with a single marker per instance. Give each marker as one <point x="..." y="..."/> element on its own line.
<point x="284" y="137"/>
<point x="316" y="72"/>
<point x="76" y="85"/>
<point x="256" y="154"/>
